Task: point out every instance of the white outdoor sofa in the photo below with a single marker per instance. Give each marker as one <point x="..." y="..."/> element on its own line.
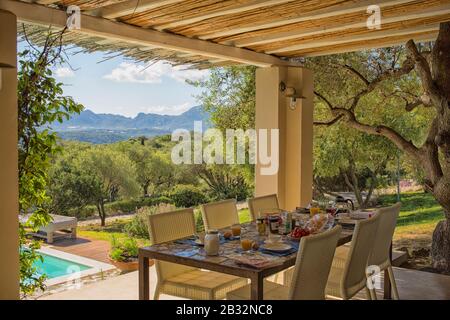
<point x="60" y="226"/>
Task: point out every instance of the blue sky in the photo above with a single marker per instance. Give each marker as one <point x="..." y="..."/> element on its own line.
<point x="121" y="86"/>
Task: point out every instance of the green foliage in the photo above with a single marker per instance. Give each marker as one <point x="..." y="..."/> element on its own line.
<point x="138" y="226"/>
<point x="417" y="208"/>
<point x="112" y="175"/>
<point x="229" y="97"/>
<point x="225" y="182"/>
<point x="40" y="103"/>
<point x="186" y="196"/>
<point x="123" y="250"/>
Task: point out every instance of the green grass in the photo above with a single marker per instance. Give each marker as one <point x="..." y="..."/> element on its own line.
<point x="418" y="217"/>
<point x="417" y="208"/>
<point x="115" y="228"/>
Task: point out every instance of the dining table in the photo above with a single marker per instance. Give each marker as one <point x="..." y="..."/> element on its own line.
<point x="186" y="252"/>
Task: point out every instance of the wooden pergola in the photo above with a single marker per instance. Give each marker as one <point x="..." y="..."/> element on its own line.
<point x="205" y="33"/>
<point x="272" y="34"/>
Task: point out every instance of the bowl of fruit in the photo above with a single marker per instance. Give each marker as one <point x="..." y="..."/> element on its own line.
<point x="297" y="233"/>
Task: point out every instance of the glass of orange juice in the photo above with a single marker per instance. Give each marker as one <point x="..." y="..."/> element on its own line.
<point x="236" y="230"/>
<point x="314" y="210"/>
<point x="246" y="244"/>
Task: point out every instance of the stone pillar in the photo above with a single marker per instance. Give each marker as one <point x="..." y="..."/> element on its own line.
<point x="9" y="224"/>
<point x="293" y="181"/>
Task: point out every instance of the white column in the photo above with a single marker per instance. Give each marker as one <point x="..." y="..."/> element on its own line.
<point x="293" y="181"/>
<point x="9" y="225"/>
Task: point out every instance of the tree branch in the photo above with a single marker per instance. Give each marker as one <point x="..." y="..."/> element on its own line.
<point x="423" y="68"/>
<point x="328" y="123"/>
<point x="357" y="73"/>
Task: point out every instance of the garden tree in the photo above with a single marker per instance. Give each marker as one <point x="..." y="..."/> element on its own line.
<point x="356" y="158"/>
<point x="155" y="172"/>
<point x="107" y="171"/>
<point x="229" y="97"/>
<point x="69" y="187"/>
<point x="40" y="103"/>
<point x="387" y="74"/>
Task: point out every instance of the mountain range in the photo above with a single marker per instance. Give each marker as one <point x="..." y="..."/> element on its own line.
<point x="107" y="128"/>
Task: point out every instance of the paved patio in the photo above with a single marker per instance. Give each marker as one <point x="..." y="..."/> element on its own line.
<point x="412" y="285"/>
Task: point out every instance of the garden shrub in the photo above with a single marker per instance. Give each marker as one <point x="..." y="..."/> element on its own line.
<point x="121" y="206"/>
<point x="186" y="196"/>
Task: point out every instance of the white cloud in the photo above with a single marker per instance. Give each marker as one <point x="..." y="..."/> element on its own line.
<point x="138" y="73"/>
<point x="169" y="110"/>
<point x="64" y="72"/>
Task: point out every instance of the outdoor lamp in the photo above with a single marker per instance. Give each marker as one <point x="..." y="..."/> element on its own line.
<point x="291" y="93"/>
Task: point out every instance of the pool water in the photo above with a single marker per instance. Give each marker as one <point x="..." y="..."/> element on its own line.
<point x="55" y="267"/>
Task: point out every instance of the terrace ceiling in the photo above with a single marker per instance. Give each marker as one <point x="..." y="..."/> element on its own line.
<point x="212" y="32"/>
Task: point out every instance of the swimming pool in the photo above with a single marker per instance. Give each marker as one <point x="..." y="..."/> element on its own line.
<point x="62" y="267"/>
<point x="56" y="267"/>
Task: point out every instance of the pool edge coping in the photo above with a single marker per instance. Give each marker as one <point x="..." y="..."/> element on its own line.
<point x="96" y="267"/>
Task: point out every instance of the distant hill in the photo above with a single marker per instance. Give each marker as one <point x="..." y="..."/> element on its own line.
<point x="107" y="128"/>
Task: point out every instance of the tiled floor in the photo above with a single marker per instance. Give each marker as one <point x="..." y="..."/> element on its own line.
<point x="412" y="285"/>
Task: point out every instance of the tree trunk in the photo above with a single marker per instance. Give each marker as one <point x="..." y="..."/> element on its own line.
<point x="373" y="183"/>
<point x="101" y="213"/>
<point x="352" y="183"/>
<point x="436" y="83"/>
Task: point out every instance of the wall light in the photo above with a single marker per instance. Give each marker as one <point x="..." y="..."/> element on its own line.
<point x="291" y="93"/>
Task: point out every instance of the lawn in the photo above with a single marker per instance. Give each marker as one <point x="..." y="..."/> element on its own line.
<point x="418" y="217"/>
<point x="115" y="228"/>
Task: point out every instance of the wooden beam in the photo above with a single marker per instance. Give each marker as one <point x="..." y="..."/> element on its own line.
<point x="297" y="34"/>
<point x="239" y="7"/>
<point x="129" y="7"/>
<point x="94" y="26"/>
<point x="366" y="46"/>
<point x="370" y="35"/>
<point x="332" y="11"/>
<point x="46" y="2"/>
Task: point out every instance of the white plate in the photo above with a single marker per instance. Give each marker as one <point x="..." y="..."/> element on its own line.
<point x="276" y="247"/>
<point x="199" y="242"/>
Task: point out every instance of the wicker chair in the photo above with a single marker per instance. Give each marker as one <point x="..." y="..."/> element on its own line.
<point x="255" y="205"/>
<point x="348" y="277"/>
<point x="219" y="215"/>
<point x="179" y="280"/>
<point x="380" y="253"/>
<point x="312" y="266"/>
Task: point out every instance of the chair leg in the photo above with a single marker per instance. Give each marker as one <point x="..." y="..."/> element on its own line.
<point x="393" y="283"/>
<point x="156" y="293"/>
<point x="373" y="294"/>
<point x="368" y="294"/>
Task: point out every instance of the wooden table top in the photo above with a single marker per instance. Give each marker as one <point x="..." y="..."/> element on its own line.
<point x="194" y="256"/>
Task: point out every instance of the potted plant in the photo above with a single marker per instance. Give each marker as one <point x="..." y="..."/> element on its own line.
<point x="124" y="254"/>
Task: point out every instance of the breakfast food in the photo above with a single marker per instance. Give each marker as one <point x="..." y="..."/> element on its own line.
<point x="298" y="232"/>
<point x="246" y="244"/>
<point x="317" y="222"/>
<point x="236" y="230"/>
<point x="227" y="235"/>
<point x="255" y="245"/>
